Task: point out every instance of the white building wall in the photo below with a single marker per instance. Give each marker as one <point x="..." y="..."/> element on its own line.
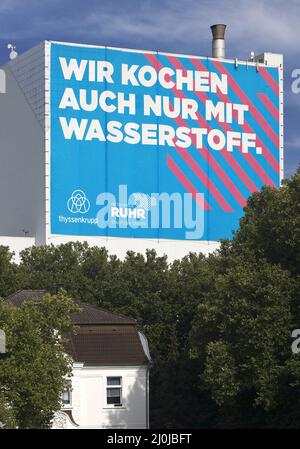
<point x="17" y="244"/>
<point x="29" y="72"/>
<point x="22" y="166"/>
<point x="89" y="408"/>
<point x="174" y="249"/>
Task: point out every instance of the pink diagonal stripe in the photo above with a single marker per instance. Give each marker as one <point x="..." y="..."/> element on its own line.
<point x="269" y="105"/>
<point x="245" y="100"/>
<point x="204" y="152"/>
<point x="268" y="155"/>
<point x="185" y="182"/>
<point x="230" y="159"/>
<point x="248" y="156"/>
<point x="216" y="166"/>
<point x="269" y="79"/>
<point x="203" y="177"/>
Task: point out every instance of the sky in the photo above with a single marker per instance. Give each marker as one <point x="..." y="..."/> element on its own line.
<point x="180" y="26"/>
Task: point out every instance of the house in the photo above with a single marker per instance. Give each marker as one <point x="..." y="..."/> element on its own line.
<point x="109" y="387"/>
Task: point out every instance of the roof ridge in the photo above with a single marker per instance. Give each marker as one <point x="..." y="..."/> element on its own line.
<point x="109" y="311"/>
<point x="27" y="290"/>
<point x="90" y="313"/>
<point x="13" y="294"/>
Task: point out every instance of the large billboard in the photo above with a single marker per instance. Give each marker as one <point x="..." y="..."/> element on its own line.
<point x="153" y="145"/>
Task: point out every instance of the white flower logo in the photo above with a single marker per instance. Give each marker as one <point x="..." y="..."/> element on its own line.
<point x="78" y="203"/>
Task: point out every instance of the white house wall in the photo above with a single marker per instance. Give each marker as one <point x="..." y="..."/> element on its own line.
<point x="89" y="408"/>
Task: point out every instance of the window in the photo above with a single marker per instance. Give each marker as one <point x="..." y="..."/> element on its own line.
<point x="114" y="391"/>
<point x="66" y="394"/>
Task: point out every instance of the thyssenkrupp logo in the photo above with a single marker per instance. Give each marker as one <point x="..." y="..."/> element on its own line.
<point x="78" y="203"/>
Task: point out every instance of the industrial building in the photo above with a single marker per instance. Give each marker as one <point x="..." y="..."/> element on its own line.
<point x="132" y="149"/>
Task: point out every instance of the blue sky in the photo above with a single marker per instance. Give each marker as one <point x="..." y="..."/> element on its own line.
<point x="180" y="26"/>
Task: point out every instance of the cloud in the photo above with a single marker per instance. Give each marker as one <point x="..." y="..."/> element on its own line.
<point x="180" y="26"/>
<point x="158" y="24"/>
<point x="294" y="143"/>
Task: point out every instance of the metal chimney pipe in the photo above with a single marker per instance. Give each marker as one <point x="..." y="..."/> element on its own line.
<point x="218" y="42"/>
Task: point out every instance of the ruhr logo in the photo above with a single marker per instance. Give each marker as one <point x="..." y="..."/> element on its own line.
<point x="78" y="202"/>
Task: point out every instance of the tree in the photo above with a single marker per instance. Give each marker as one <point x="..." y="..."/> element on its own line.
<point x="218" y="327"/>
<point x="7" y="420"/>
<point x="270" y="227"/>
<point x="52" y="267"/>
<point x="244" y="328"/>
<point x="33" y="375"/>
<point x="241" y="334"/>
<point x="8" y="272"/>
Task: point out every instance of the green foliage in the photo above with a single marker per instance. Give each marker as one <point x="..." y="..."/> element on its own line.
<point x="243" y="327"/>
<point x="271" y="225"/>
<point x="32" y="375"/>
<point x="161" y="297"/>
<point x="220" y="372"/>
<point x="7" y="419"/>
<point x="219" y="327"/>
<point x="8" y="273"/>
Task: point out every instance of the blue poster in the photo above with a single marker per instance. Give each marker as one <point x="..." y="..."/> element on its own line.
<point x="151" y="145"/>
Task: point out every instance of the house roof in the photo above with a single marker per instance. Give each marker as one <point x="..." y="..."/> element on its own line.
<point x="20" y="296"/>
<point x="88" y="315"/>
<point x="101" y="338"/>
<point x="107" y="345"/>
<point x="94" y="315"/>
